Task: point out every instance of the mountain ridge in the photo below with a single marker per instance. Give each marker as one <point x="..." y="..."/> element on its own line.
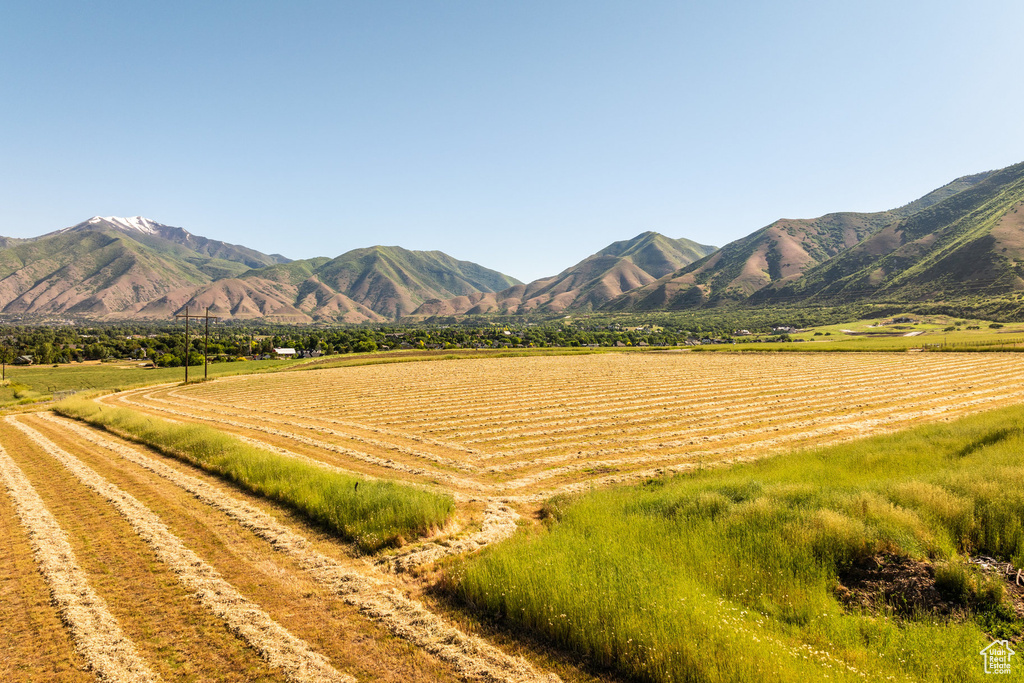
<point x="781" y="262"/>
<point x="962" y="239"/>
<point x="587" y="285"/>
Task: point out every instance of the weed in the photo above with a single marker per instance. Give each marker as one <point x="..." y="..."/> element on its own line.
<point x="732" y="575"/>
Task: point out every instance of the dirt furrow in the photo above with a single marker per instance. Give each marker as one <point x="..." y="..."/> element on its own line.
<point x="292" y="422"/>
<point x="763" y="447"/>
<point x="779" y="435"/>
<point x="474" y="658"/>
<point x="275" y="644"/>
<point x="97" y="635"/>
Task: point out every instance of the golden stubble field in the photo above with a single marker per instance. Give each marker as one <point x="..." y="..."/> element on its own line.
<point x="125" y="564"/>
<point x="522" y="429"/>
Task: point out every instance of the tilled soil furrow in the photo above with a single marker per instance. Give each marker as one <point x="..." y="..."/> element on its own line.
<point x="781" y="429"/>
<point x="320" y="429"/>
<point x="97" y="634"/>
<point x="798" y="427"/>
<point x="474" y="658"/>
<point x="275" y="644"/>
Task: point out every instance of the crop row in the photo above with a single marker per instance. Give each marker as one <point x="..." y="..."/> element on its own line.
<point x="366" y="589"/>
<point x="824" y="399"/>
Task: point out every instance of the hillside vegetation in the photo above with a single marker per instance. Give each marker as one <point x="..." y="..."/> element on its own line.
<point x="971" y="243"/>
<point x="363" y="285"/>
<point x="591" y="283"/>
<point x="964" y="239"/>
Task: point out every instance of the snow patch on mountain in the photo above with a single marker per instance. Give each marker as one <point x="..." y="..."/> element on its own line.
<point x="137" y="223"/>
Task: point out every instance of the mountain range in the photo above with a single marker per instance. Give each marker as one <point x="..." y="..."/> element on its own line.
<point x="965" y="238"/>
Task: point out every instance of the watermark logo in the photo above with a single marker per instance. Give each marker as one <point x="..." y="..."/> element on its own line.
<point x="997" y="656"/>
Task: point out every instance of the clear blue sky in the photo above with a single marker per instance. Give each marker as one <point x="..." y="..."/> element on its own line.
<point x="523" y="135"/>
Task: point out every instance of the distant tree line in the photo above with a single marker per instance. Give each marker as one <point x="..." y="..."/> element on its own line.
<point x="164" y="343"/>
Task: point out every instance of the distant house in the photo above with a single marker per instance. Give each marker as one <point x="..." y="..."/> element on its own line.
<point x="620" y="343"/>
<point x="23" y="360"/>
<point x="284" y="352"/>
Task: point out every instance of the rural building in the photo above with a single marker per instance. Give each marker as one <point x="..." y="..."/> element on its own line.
<point x="23" y="360"/>
<point x="287" y="353"/>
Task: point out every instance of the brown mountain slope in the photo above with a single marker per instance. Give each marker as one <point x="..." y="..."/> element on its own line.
<point x="111" y="266"/>
<point x="256" y="298"/>
<point x="373" y="284"/>
<point x="589" y="284"/>
<point x="779" y="252"/>
<point x="775" y="256"/>
<point x="126" y="268"/>
<point x="969" y="244"/>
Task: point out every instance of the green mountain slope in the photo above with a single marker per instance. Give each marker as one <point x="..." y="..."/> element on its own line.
<point x="599" y="278"/>
<point x="971" y="242"/>
<point x="774" y="262"/>
<point x="372" y="284"/>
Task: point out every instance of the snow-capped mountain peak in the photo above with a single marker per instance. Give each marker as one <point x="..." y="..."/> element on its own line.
<point x="136" y="223"/>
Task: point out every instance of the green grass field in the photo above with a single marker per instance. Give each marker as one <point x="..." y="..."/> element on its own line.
<point x="928" y="333"/>
<point x="732" y="574"/>
<point x="373" y="514"/>
<point x="41" y="382"/>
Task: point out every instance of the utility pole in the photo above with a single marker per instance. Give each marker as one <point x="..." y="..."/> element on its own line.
<point x="206" y="339"/>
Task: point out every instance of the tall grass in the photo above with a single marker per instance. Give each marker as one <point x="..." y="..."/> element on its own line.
<point x="373" y="514"/>
<point x="729" y="575"/>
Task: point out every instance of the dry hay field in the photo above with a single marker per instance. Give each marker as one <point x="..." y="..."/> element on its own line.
<point x="522" y="429"/>
<point x="120" y="564"/>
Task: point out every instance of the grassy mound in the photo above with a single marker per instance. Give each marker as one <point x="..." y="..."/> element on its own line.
<point x="735" y="575"/>
<point x="373" y="514"/>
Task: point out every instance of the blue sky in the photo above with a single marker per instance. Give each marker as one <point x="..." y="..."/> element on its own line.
<point x="521" y="135"/>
